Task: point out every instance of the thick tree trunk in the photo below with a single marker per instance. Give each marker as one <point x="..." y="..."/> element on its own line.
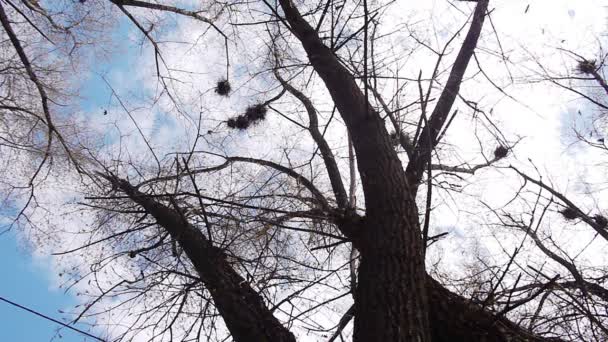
<point x="455" y="319"/>
<point x="391" y="299"/>
<point x="242" y="308"/>
<point x="391" y="295"/>
<point x="391" y="290"/>
<point x="382" y="304"/>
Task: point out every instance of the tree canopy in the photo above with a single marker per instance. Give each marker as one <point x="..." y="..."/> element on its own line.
<point x="312" y="171"/>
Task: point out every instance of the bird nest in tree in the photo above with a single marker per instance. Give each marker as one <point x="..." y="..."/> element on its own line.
<point x="501" y="152"/>
<point x="256" y="112"/>
<point x="240" y="122"/>
<point x="601" y="221"/>
<point x="252" y="115"/>
<point x="569" y="213"/>
<point x="586" y="66"/>
<point x="223" y="87"/>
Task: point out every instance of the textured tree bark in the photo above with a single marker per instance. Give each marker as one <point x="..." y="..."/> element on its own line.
<point x="391" y="294"/>
<point x="454" y="319"/>
<point x="390" y="301"/>
<point x="242" y="308"/>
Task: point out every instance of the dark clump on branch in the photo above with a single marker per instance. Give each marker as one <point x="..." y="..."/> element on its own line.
<point x="586" y="66"/>
<point x="252" y="115"/>
<point x="501" y="152"/>
<point x="256" y="112"/>
<point x="223" y="87"/>
<point x="240" y="122"/>
<point x="231" y="123"/>
<point x="601" y="221"/>
<point x="569" y="213"/>
<point x="132" y="254"/>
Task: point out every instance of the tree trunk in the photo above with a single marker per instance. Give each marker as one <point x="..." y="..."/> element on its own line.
<point x="242" y="308"/>
<point x="391" y="294"/>
<point x="454" y="319"/>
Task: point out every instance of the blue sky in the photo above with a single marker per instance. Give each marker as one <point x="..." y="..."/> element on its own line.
<point x="27" y="282"/>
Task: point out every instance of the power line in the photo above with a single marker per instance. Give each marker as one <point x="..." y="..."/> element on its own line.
<point x="50" y="319"/>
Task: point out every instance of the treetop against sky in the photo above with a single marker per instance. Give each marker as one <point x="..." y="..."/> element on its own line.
<point x="311" y="171"/>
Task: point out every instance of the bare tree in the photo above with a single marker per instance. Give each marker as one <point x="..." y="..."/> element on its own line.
<point x="580" y="293"/>
<point x="213" y="245"/>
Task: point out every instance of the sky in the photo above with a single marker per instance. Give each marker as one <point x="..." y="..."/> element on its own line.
<point x="27" y="282"/>
<point x="33" y="280"/>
